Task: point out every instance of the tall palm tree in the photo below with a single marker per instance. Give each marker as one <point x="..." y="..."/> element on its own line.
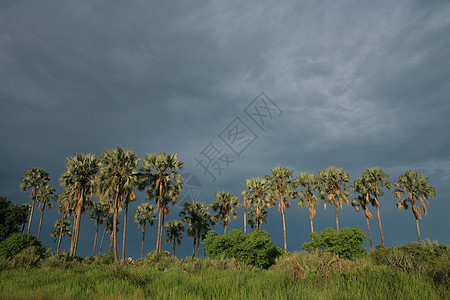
<point x="144" y="214"/>
<point x="34" y="179"/>
<point x="117" y="179"/>
<point x="257" y="193"/>
<point x="160" y="174"/>
<point x="107" y="229"/>
<point x="195" y="214"/>
<point x="362" y="201"/>
<point x="98" y="215"/>
<point x="281" y="190"/>
<point x="48" y="193"/>
<point x="78" y="181"/>
<point x="334" y="183"/>
<point x="174" y="233"/>
<point x="375" y="180"/>
<point x="308" y="194"/>
<point x="416" y="188"/>
<point x="225" y="206"/>
<point x="60" y="230"/>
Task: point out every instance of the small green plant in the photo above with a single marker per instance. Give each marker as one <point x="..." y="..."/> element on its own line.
<point x="27" y="258"/>
<point x="17" y="242"/>
<point x="255" y="248"/>
<point x="346" y="243"/>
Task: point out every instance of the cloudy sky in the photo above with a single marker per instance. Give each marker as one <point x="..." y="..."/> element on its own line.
<point x="304" y="84"/>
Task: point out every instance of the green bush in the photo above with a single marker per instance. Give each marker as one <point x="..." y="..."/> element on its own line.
<point x="255" y="248"/>
<point x="17" y="242"/>
<point x="347" y="243"/>
<point x="27" y="258"/>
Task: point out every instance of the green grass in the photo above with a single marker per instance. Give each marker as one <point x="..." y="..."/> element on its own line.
<point x="139" y="282"/>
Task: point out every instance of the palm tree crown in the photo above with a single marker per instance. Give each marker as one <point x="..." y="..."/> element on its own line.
<point x="225" y="206"/>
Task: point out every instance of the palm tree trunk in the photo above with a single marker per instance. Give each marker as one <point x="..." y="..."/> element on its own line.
<point x="311" y="220"/>
<point x="159" y="227"/>
<point x="76" y="226"/>
<point x="379" y="223"/>
<point x="418" y="230"/>
<point x="245" y="221"/>
<point x="111" y="242"/>
<point x="370" y="235"/>
<point x="40" y="222"/>
<point x="198" y="245"/>
<point x="162" y="230"/>
<point x="101" y="243"/>
<point x="337" y="219"/>
<point x="95" y="239"/>
<point x="124" y="230"/>
<point x="173" y="247"/>
<point x="59" y="239"/>
<point x="225" y="228"/>
<point x="195" y="242"/>
<point x="284" y="230"/>
<point x="143" y="238"/>
<point x="114" y="231"/>
<point x="31" y="216"/>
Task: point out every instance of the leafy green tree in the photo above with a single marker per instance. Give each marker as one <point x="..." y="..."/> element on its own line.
<point x="12" y="217"/>
<point x="255" y="248"/>
<point x="174" y="233"/>
<point x="48" y="193"/>
<point x="144" y="214"/>
<point x="347" y="243"/>
<point x="60" y="230"/>
<point x="334" y="183"/>
<point x="117" y="179"/>
<point x="160" y="175"/>
<point x="98" y="215"/>
<point x="17" y="242"/>
<point x="416" y="190"/>
<point x="35" y="179"/>
<point x="225" y="206"/>
<point x="257" y="193"/>
<point x="309" y="186"/>
<point x="281" y="190"/>
<point x="78" y="182"/>
<point x="195" y="214"/>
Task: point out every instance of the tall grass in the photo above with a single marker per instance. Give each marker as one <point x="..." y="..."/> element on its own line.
<point x="139" y="282"/>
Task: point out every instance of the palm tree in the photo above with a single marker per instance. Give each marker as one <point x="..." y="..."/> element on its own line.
<point x="225" y="206"/>
<point x="375" y="180"/>
<point x="144" y="213"/>
<point x="281" y="188"/>
<point x="48" y="193"/>
<point x="362" y="202"/>
<point x="107" y="229"/>
<point x="257" y="193"/>
<point x="334" y="182"/>
<point x="174" y="233"/>
<point x="98" y="215"/>
<point x="309" y="184"/>
<point x="34" y="179"/>
<point x="117" y="179"/>
<point x="78" y="181"/>
<point x="60" y="230"/>
<point x="160" y="174"/>
<point x="196" y="215"/>
<point x="416" y="189"/>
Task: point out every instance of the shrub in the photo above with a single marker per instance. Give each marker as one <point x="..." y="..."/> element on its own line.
<point x="61" y="260"/>
<point x="347" y="243"/>
<point x="431" y="259"/>
<point x="27" y="258"/>
<point x="18" y="242"/>
<point x="255" y="248"/>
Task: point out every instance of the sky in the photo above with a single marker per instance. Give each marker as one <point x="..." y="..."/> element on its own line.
<point x="236" y="88"/>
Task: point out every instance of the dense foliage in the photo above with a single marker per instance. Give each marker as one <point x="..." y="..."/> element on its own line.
<point x="12" y="217"/>
<point x="255" y="248"/>
<point x="347" y="243"/>
<point x="18" y="242"/>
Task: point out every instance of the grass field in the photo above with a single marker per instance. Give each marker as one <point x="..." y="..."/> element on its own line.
<point x="386" y="274"/>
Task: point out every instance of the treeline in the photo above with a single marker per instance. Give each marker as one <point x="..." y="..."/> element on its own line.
<point x="114" y="177"/>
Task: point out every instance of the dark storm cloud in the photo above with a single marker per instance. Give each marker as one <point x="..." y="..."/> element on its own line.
<point x="360" y="84"/>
